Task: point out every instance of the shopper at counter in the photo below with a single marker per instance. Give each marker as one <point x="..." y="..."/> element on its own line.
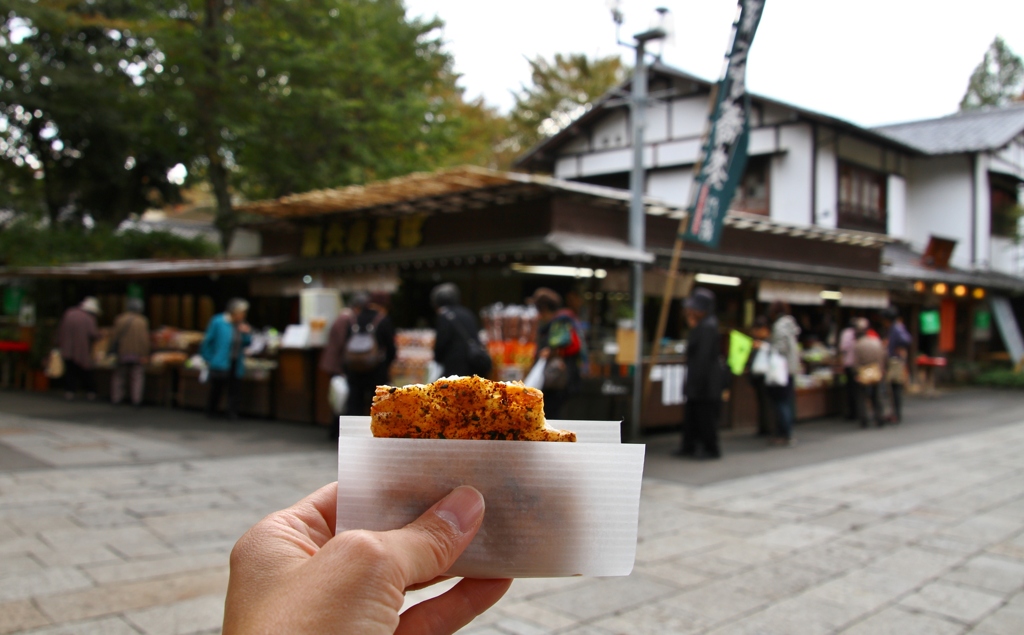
<point x="869" y="355"/>
<point x="784" y="341"/>
<point x="560" y="342"/>
<point x="455" y="326"/>
<point x="847" y="340"/>
<point x="899" y="341"/>
<point x="368" y="368"/>
<point x="129" y="341"/>
<point x="761" y="332"/>
<point x="705" y="376"/>
<point x="76" y="334"/>
<point x="223" y="349"/>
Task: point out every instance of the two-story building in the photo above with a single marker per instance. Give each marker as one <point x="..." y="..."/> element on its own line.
<point x="956" y="178"/>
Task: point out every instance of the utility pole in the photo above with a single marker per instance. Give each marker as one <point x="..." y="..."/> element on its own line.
<point x="637" y="217"/>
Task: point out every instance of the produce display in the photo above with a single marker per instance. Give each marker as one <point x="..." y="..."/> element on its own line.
<point x="414" y="351"/>
<point x="511" y="339"/>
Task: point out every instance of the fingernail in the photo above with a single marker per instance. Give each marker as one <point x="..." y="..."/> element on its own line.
<point x="462" y="508"/>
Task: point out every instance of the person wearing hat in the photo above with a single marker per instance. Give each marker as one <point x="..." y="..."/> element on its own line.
<point x="705" y="376"/>
<point x="457" y="333"/>
<point x="76" y="334"/>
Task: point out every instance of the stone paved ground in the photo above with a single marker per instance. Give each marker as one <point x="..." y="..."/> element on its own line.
<point x="116" y="532"/>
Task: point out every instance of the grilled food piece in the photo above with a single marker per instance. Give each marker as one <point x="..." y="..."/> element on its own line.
<point x="463" y="408"/>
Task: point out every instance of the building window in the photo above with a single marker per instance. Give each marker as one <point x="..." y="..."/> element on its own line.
<point x="862" y="199"/>
<point x="1003" y="203"/>
<point x="752" y="193"/>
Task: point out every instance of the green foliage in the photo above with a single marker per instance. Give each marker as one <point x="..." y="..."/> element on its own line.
<point x="75" y="135"/>
<point x="27" y="243"/>
<point x="997" y="80"/>
<point x="1000" y="378"/>
<point x="563" y="89"/>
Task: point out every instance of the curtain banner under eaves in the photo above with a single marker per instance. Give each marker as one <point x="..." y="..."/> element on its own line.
<point x="725" y="152"/>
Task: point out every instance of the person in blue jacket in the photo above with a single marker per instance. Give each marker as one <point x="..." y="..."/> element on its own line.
<point x="223" y="349"/>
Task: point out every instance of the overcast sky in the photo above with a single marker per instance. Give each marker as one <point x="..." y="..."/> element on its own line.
<point x="870" y="62"/>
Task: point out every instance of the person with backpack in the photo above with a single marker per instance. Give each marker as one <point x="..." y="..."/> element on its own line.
<point x="369" y="351"/>
<point x="560" y="342"/>
<point x="457" y="347"/>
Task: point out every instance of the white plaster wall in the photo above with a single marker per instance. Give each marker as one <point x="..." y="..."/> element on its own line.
<point x="762" y="141"/>
<point x="689" y="116"/>
<point x="790" y="175"/>
<point x="983" y="214"/>
<point x="656" y="123"/>
<point x="606" y="162"/>
<point x="1005" y="255"/>
<point x="826" y="191"/>
<point x="896" y="206"/>
<point x="671" y="186"/>
<point x="611" y="131"/>
<point x="567" y="167"/>
<point x="676" y="153"/>
<point x="939" y="203"/>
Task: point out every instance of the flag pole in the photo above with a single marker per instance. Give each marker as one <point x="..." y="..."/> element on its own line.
<point x="677" y="251"/>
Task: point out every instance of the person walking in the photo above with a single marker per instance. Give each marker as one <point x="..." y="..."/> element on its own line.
<point x="130" y="344"/>
<point x="899" y="341"/>
<point x="223" y="348"/>
<point x="847" y="340"/>
<point x="705" y="377"/>
<point x="369" y="351"/>
<point x="457" y="331"/>
<point x="761" y="332"/>
<point x="76" y="334"/>
<point x="869" y="357"/>
<point x="784" y="342"/>
<point x="560" y="342"/>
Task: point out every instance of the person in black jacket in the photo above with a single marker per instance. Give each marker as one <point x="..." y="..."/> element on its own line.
<point x="704" y="376"/>
<point x="370" y="317"/>
<point x="455" y="324"/>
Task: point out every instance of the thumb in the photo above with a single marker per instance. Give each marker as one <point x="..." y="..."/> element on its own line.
<point x="428" y="546"/>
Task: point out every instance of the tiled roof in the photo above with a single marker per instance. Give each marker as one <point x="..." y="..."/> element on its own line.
<point x="971" y="131"/>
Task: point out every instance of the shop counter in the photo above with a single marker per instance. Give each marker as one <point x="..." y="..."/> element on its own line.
<point x="158" y="389"/>
<point x="255" y="397"/>
<point x="295" y="384"/>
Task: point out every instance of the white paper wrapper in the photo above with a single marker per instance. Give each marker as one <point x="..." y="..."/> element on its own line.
<point x="553" y="509"/>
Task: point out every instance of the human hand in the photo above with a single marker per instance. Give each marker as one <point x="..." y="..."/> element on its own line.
<point x="544" y="353"/>
<point x="291" y="574"/>
<point x="244" y="327"/>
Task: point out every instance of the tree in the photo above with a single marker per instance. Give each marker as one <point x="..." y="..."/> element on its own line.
<point x="261" y="98"/>
<point x="562" y="89"/>
<point x="75" y="138"/>
<point x="997" y="80"/>
<point x="282" y="97"/>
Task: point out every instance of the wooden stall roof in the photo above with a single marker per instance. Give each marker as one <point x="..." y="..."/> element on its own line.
<point x="470" y="187"/>
<point x="155" y="268"/>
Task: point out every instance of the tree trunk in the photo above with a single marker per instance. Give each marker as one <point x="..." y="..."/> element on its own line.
<point x="208" y="102"/>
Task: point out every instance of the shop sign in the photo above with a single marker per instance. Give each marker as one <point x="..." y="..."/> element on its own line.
<point x="982" y="326"/>
<point x="361" y="235"/>
<point x="797" y="293"/>
<point x="930" y="323"/>
<point x="740" y="347"/>
<point x="13" y="297"/>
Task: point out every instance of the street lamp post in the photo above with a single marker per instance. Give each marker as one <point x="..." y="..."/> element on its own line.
<point x="637" y="237"/>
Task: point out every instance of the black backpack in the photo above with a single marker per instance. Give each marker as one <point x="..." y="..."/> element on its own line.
<point x="479" y="359"/>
